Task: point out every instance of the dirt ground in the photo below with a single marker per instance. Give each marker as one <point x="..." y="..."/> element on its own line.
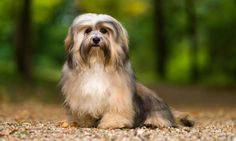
<point x="213" y="110"/>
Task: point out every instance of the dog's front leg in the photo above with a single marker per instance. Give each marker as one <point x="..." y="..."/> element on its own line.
<point x="76" y="119"/>
<point x="119" y="112"/>
<point x="70" y="119"/>
<point x="113" y="120"/>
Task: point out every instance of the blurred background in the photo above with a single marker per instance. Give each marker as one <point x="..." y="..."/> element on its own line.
<point x="183" y="49"/>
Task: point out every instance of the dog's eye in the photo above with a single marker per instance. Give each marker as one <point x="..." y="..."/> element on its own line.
<point x="88" y="30"/>
<point x="103" y="30"/>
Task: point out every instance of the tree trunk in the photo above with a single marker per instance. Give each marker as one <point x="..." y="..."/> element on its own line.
<point x="23" y="48"/>
<point x="160" y="38"/>
<point x="192" y="33"/>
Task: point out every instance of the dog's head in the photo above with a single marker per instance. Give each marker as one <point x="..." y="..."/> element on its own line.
<point x="96" y="38"/>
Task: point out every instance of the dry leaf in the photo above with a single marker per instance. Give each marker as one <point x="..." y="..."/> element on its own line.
<point x="65" y="124"/>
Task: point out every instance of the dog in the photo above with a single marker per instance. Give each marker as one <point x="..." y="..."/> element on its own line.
<point x="98" y="82"/>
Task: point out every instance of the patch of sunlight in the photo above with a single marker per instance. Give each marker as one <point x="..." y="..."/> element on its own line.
<point x="135" y="7"/>
<point x="42" y="9"/>
<point x="125" y="7"/>
<point x="178" y="65"/>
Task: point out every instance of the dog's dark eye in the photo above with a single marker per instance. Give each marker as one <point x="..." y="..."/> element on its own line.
<point x="103" y="30"/>
<point x="88" y="30"/>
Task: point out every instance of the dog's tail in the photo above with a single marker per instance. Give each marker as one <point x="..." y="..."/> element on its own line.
<point x="183" y="118"/>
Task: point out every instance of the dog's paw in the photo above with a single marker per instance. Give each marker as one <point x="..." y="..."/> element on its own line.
<point x="157" y="122"/>
<point x="114" y="122"/>
<point x="112" y="125"/>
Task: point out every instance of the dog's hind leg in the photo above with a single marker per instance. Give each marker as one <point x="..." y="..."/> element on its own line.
<point x="158" y="113"/>
<point x="158" y="119"/>
<point x="183" y="118"/>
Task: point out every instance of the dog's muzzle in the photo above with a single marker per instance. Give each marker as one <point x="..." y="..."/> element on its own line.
<point x="98" y="43"/>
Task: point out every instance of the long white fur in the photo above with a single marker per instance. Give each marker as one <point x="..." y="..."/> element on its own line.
<point x="87" y="94"/>
<point x="95" y="90"/>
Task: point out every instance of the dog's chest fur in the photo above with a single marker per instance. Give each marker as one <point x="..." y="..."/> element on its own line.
<point x="88" y="91"/>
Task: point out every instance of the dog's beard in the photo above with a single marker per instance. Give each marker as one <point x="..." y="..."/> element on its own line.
<point x="91" y="54"/>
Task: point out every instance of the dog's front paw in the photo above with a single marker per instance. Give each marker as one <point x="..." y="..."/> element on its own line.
<point x="115" y="122"/>
<point x="112" y="125"/>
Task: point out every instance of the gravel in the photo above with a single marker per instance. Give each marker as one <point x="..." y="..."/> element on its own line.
<point x="41" y="122"/>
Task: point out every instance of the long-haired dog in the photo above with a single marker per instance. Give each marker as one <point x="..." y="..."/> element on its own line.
<point x="98" y="82"/>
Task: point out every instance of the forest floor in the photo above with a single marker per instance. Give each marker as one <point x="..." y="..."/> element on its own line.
<point x="213" y="109"/>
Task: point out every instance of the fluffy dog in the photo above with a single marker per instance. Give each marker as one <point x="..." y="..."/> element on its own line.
<point x="98" y="82"/>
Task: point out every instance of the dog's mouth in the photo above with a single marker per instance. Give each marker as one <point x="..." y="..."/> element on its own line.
<point x="101" y="51"/>
<point x="95" y="45"/>
<point x="99" y="45"/>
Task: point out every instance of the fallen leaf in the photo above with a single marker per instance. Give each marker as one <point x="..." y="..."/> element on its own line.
<point x="65" y="124"/>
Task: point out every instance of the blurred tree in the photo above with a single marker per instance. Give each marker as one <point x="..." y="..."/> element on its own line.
<point x="51" y="20"/>
<point x="192" y="35"/>
<point x="160" y="37"/>
<point x="6" y="30"/>
<point x="221" y="41"/>
<point x="23" y="47"/>
<point x="208" y="51"/>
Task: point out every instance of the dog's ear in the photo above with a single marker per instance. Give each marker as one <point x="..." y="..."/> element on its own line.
<point x="69" y="43"/>
<point x="122" y="35"/>
<point x="123" y="38"/>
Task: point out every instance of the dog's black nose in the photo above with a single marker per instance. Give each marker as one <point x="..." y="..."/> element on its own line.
<point x="96" y="40"/>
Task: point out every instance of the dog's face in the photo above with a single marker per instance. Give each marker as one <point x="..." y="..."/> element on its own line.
<point x="94" y="38"/>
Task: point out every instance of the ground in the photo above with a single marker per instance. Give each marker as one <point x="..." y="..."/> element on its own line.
<point x="214" y="112"/>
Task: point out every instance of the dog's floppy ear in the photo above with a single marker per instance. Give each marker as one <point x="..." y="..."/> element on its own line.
<point x="124" y="37"/>
<point x="69" y="40"/>
<point x="69" y="43"/>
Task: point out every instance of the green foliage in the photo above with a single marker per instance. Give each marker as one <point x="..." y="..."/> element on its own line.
<point x="43" y="10"/>
<point x="6" y="29"/>
<point x="216" y="25"/>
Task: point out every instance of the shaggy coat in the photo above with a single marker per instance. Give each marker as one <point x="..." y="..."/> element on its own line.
<point x="98" y="82"/>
